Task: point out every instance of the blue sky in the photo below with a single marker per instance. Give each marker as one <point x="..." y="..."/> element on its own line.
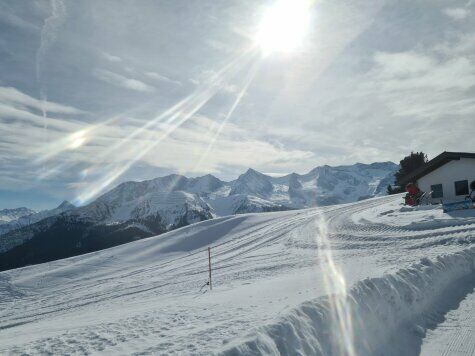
<point x="85" y="85"/>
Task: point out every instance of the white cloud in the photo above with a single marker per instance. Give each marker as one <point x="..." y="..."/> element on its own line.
<point x="12" y="96"/>
<point x="463" y="45"/>
<point x="457" y="13"/>
<point x="10" y="112"/>
<point x="235" y="146"/>
<point x="7" y="16"/>
<point x="402" y="64"/>
<point x="162" y="78"/>
<point x="122" y="81"/>
<point x="405" y="102"/>
<point x="111" y="57"/>
<point x="24" y="131"/>
<point x="421" y="85"/>
<point x="183" y="149"/>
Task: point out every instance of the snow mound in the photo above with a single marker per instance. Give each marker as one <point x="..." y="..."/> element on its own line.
<point x="366" y="319"/>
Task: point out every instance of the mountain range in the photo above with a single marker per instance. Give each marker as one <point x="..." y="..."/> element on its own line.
<point x="135" y="210"/>
<point x="8" y="215"/>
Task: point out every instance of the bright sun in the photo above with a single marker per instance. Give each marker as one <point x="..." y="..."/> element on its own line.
<point x="283" y="26"/>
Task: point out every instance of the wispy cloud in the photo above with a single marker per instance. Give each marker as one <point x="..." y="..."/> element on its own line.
<point x="423" y="85"/>
<point x="122" y="81"/>
<point x="162" y="78"/>
<point x="110" y="57"/>
<point x="183" y="148"/>
<point x="8" y="112"/>
<point x="23" y="136"/>
<point x="457" y="13"/>
<point x="22" y="125"/>
<point x="13" y="97"/>
<point x="8" y="16"/>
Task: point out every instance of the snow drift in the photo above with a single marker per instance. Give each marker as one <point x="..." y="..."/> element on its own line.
<point x="379" y="309"/>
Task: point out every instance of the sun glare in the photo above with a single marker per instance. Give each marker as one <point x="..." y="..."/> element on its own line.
<point x="283" y="26"/>
<point x="77" y="139"/>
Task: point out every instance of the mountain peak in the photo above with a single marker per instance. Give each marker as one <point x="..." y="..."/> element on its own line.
<point x="253" y="172"/>
<point x="66" y="205"/>
<point x="252" y="182"/>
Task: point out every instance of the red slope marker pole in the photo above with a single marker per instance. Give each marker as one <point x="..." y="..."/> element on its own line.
<point x="209" y="267"/>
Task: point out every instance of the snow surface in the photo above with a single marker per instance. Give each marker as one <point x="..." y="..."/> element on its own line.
<point x="361" y="278"/>
<point x="455" y="336"/>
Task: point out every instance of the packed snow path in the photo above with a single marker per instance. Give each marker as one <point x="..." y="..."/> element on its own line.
<point x="455" y="336"/>
<point x="268" y="269"/>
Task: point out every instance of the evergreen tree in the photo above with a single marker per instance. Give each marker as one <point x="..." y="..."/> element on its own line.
<point x="390" y="190"/>
<point x="407" y="165"/>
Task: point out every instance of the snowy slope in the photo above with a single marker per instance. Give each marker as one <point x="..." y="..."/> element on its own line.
<point x="454" y="336"/>
<point x="366" y="273"/>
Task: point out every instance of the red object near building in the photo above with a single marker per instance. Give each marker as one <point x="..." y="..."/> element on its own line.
<point x="412" y="189"/>
<point x="409" y="200"/>
<point x="413" y="195"/>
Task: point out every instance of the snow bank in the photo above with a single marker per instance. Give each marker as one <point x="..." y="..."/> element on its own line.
<point x="367" y="318"/>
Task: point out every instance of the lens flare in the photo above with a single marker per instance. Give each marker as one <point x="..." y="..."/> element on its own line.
<point x="77" y="139"/>
<point x="335" y="286"/>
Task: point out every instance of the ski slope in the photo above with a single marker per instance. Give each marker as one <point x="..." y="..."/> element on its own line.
<point x="371" y="277"/>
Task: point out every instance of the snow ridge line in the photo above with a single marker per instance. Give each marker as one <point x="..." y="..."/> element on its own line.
<point x="380" y="309"/>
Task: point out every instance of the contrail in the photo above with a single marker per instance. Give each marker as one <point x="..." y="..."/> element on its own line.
<point x="48" y="36"/>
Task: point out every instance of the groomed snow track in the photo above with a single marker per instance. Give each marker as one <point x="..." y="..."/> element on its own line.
<point x="272" y="286"/>
<point x="386" y="315"/>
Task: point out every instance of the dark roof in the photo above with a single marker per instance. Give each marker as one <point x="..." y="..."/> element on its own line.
<point x="434" y="163"/>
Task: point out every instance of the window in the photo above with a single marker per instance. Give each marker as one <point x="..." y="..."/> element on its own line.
<point x="461" y="187"/>
<point x="437" y="191"/>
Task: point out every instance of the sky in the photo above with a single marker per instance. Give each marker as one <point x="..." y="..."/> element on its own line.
<point x="94" y="93"/>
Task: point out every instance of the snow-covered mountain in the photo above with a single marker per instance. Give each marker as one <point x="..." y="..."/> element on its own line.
<point x="8" y="215"/>
<point x="135" y="210"/>
<point x="25" y="217"/>
<point x="141" y="200"/>
<point x="250" y="192"/>
<point x="321" y="186"/>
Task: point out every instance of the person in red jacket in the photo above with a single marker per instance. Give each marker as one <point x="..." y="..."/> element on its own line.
<point x="413" y="194"/>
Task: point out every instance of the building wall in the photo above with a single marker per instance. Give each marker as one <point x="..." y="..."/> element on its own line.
<point x="447" y="175"/>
